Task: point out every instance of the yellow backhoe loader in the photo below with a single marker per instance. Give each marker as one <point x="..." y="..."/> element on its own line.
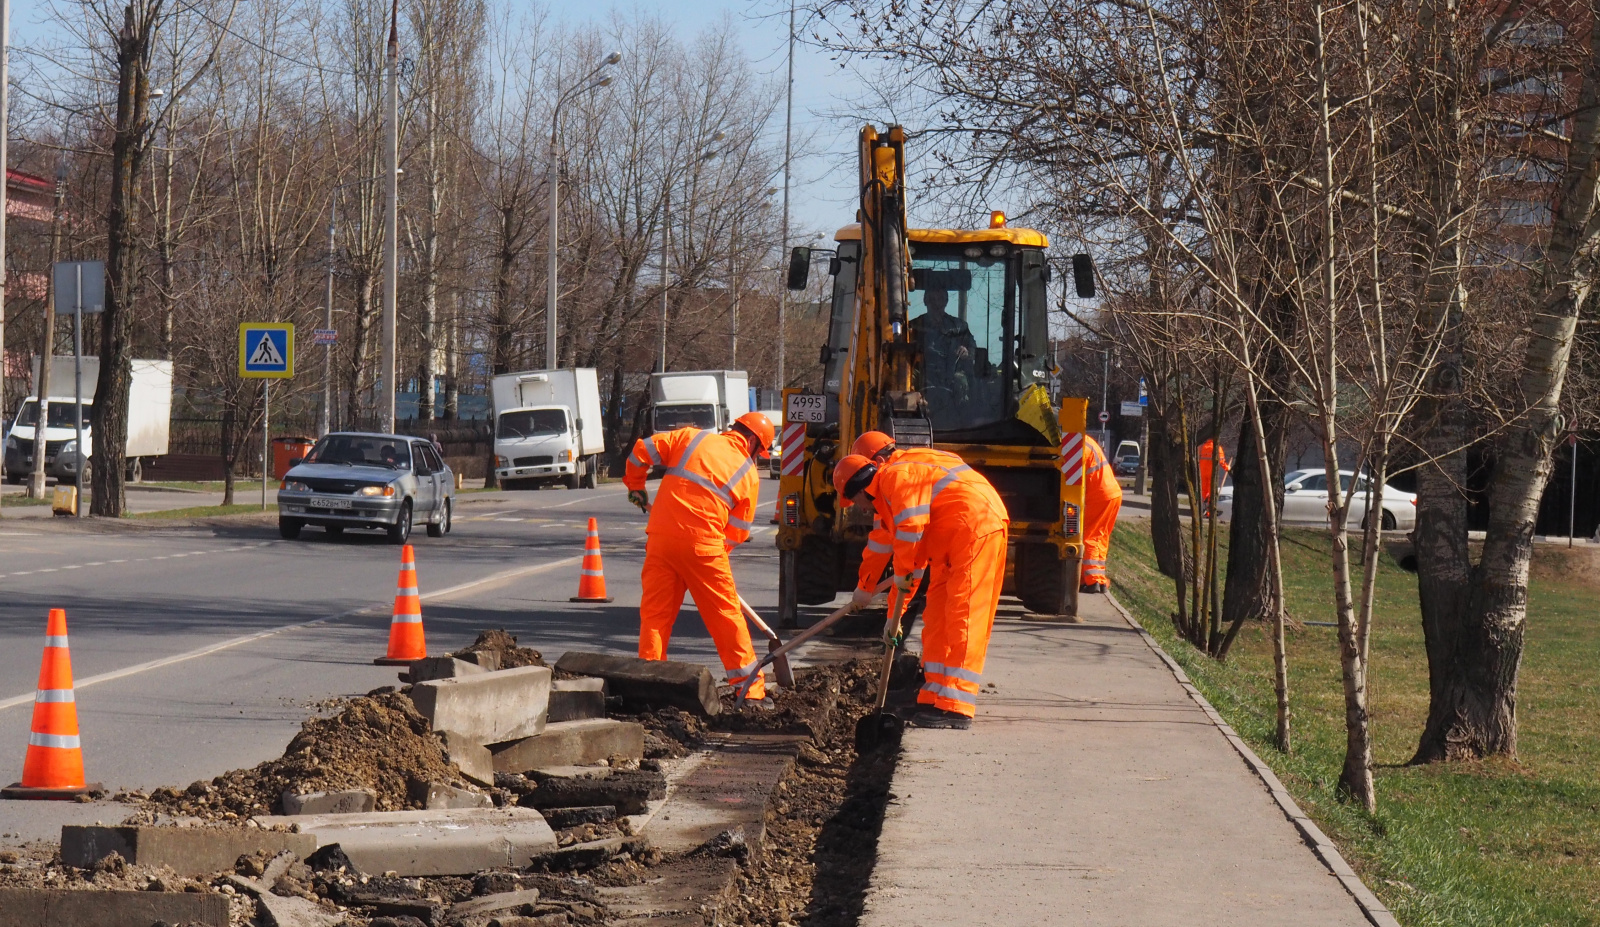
<point x="938" y="337"/>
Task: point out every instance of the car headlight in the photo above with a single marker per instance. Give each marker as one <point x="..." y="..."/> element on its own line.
<point x="501" y="461"/>
<point x="294" y="486"/>
<point x="71" y="447"/>
<point x="376" y="490"/>
<point x="564" y="456"/>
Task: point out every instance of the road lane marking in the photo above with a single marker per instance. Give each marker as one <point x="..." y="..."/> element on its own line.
<point x="501" y="576"/>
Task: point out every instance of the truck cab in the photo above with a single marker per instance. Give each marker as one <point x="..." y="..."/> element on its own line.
<point x="548" y="428"/>
<point x="705" y="399"/>
<point x="62" y="456"/>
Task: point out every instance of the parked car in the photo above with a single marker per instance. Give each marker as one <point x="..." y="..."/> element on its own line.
<point x="775" y="452"/>
<point x="360" y="480"/>
<point x="1126" y="460"/>
<point x="1305" y="501"/>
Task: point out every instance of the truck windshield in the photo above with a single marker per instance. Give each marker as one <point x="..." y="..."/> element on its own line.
<point x="60" y="414"/>
<point x="525" y="423"/>
<point x="671" y="418"/>
<point x="362" y="451"/>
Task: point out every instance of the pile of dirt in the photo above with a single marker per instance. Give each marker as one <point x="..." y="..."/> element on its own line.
<point x="501" y="641"/>
<point x="822" y="824"/>
<point x="377" y="742"/>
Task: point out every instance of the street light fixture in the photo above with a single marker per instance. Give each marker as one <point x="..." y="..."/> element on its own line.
<point x="666" y="242"/>
<point x="593" y="81"/>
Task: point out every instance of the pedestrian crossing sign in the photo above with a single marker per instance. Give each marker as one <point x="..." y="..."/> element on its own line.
<point x="266" y="350"/>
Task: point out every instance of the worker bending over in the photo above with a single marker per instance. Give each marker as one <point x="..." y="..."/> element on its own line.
<point x="1102" y="498"/>
<point x="703" y="509"/>
<point x="949" y="518"/>
<point x="880" y="449"/>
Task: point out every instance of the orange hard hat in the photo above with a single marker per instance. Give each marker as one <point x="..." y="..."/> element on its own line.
<point x="871" y="444"/>
<point x="851" y="475"/>
<point x="760" y="426"/>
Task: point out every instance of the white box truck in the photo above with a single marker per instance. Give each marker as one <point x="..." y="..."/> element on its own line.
<point x="709" y="399"/>
<point x="149" y="420"/>
<point x="547" y="427"/>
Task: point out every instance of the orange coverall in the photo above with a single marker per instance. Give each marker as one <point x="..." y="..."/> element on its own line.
<point x="950" y="518"/>
<point x="702" y="509"/>
<point x="1102" y="498"/>
<point x="880" y="543"/>
<point x="1207" y="450"/>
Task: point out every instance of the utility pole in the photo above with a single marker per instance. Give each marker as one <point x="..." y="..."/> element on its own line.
<point x="733" y="293"/>
<point x="1105" y="392"/>
<point x="5" y="168"/>
<point x="391" y="224"/>
<point x="553" y="269"/>
<point x="666" y="243"/>
<point x="783" y="251"/>
<point x="325" y="415"/>
<point x="37" y="477"/>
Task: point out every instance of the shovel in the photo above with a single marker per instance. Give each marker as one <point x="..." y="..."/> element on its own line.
<point x="780" y="661"/>
<point x="881" y="727"/>
<point x="799" y="639"/>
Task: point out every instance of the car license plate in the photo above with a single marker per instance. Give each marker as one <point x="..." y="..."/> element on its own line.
<point x="328" y="503"/>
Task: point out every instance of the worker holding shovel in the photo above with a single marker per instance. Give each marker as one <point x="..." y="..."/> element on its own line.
<point x="702" y="510"/>
<point x="950" y="518"/>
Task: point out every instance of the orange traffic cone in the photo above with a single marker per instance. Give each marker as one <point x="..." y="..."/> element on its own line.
<point x="54" y="764"/>
<point x="592" y="577"/>
<point x="405" y="628"/>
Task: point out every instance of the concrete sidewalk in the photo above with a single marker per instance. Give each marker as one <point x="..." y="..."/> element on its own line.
<point x="1093" y="790"/>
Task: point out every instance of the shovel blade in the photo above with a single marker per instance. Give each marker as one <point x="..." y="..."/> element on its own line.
<point x="878" y="730"/>
<point x="781" y="665"/>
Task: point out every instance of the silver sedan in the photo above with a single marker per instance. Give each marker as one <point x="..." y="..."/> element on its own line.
<point x="361" y="480"/>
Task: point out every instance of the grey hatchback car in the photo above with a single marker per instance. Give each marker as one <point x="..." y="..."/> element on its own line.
<point x="361" y="480"/>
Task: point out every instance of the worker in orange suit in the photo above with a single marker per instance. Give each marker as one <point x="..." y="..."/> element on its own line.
<point x="703" y="509"/>
<point x="1211" y="456"/>
<point x="950" y="519"/>
<point x="1102" y="499"/>
<point x="880" y="449"/>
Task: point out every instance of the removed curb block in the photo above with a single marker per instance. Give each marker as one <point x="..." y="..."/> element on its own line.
<point x="488" y="659"/>
<point x="629" y="792"/>
<point x="431" y="668"/>
<point x="689" y="686"/>
<point x="349" y="801"/>
<point x="518" y="902"/>
<point x="187" y="851"/>
<point x="430" y="843"/>
<point x="728" y="791"/>
<point x="284" y="911"/>
<point x="441" y="796"/>
<point x="50" y="907"/>
<point x="487" y="707"/>
<point x="571" y="743"/>
<point x="472" y="758"/>
<point x="592" y="854"/>
<point x="563" y="818"/>
<point x="577" y="699"/>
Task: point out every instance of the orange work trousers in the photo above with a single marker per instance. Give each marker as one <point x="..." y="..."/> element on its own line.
<point x="1099" y="517"/>
<point x="964" y="579"/>
<point x="673" y="566"/>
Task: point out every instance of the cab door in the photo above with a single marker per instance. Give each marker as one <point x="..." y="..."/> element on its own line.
<point x="427" y="482"/>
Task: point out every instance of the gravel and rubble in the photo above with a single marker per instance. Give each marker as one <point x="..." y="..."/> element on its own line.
<point x="809" y="866"/>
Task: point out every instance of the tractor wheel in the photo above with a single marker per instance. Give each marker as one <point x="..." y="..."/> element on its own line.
<point x="1046" y="584"/>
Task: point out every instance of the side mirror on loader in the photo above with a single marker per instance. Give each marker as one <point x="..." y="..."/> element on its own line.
<point x="1082" y="275"/>
<point x="799" y="268"/>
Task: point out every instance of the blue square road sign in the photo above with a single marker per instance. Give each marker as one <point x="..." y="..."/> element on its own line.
<point x="266" y="350"/>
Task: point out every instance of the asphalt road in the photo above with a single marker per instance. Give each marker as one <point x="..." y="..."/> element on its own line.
<point x="201" y="649"/>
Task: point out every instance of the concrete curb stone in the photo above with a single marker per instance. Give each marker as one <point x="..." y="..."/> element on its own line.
<point x="51" y="907"/>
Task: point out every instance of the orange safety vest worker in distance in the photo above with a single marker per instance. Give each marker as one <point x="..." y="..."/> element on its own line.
<point x="950" y="519"/>
<point x="702" y="509"/>
<point x="1102" y="498"/>
<point x="1209" y="452"/>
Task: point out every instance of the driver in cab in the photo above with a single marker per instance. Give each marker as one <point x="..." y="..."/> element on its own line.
<point x="948" y="348"/>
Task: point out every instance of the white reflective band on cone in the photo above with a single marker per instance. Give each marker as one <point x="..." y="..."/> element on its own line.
<point x="54" y="695"/>
<point x="58" y="741"/>
<point x="591" y="573"/>
<point x="55" y="640"/>
<point x="406" y="619"/>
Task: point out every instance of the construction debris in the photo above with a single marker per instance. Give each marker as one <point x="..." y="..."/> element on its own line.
<point x="499" y="646"/>
<point x="643" y="685"/>
<point x="571" y="743"/>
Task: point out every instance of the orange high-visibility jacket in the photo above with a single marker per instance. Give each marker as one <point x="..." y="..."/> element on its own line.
<point x="1209" y="450"/>
<point x="912" y="495"/>
<point x="708" y="495"/>
<point x="880" y="543"/>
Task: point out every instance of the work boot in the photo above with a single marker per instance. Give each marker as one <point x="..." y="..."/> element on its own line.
<point x="763" y="703"/>
<point x="1091" y="589"/>
<point x="939" y="718"/>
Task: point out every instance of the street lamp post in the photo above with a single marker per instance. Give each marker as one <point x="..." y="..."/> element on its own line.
<point x="666" y="243"/>
<point x="590" y="82"/>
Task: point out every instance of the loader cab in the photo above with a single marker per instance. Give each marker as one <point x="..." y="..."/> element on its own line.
<point x="978" y="312"/>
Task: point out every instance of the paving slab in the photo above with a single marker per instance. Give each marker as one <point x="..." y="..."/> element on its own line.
<point x="1093" y="790"/>
<point x="50" y="907"/>
<point x="571" y="743"/>
<point x="187" y="851"/>
<point x="431" y="843"/>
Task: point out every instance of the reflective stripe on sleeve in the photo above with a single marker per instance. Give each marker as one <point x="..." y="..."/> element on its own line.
<point x="741" y="523"/>
<point x="911" y="537"/>
<point x="878" y="547"/>
<point x="650" y="448"/>
<point x="950" y="692"/>
<point x="949" y="477"/>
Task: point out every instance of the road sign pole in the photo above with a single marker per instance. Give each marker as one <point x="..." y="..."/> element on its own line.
<point x="266" y="417"/>
<point x="1572" y="497"/>
<point x="77" y="389"/>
